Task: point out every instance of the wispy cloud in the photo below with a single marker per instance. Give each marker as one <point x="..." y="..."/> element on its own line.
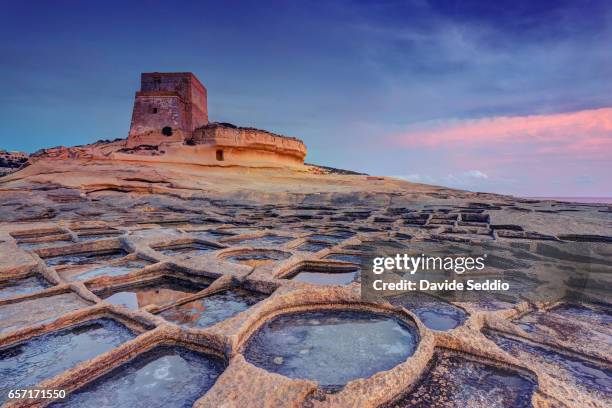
<point x="530" y="155"/>
<point x="586" y="133"/>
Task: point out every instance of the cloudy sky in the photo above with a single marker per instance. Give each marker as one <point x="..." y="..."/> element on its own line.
<point x="503" y="96"/>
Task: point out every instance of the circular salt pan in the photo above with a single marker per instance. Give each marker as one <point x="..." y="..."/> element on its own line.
<point x="331" y="347"/>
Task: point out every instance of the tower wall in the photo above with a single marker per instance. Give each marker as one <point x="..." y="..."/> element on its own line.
<point x="168" y="107"/>
<point x="199" y="105"/>
<point x="152" y="113"/>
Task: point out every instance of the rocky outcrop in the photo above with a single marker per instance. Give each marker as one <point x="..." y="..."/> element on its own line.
<point x="11" y="161"/>
<point x="63" y="152"/>
<point x="98" y="150"/>
<point x="225" y="135"/>
<point x="216" y="144"/>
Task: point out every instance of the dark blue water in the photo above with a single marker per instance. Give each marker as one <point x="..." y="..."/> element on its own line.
<point x="85" y="258"/>
<point x="213" y="308"/>
<point x="433" y="312"/>
<point x="162" y="377"/>
<point x="113" y="270"/>
<point x="591" y="378"/>
<point x="356" y="259"/>
<point x="454" y="381"/>
<point x="326" y="238"/>
<point x="43" y="357"/>
<point x="267" y="240"/>
<point x="331" y="347"/>
<point x="313" y="246"/>
<point x="158" y="292"/>
<point x="187" y="250"/>
<point x="319" y="276"/>
<point x="17" y="287"/>
<point x="211" y="234"/>
<point x="258" y="255"/>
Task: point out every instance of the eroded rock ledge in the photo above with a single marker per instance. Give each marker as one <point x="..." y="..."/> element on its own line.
<point x="216" y="144"/>
<point x="225" y="135"/>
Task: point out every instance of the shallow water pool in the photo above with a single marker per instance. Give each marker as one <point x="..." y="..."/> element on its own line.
<point x="331" y="347"/>
<point x="162" y="377"/>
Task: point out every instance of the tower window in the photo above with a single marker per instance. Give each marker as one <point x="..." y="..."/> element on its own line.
<point x="154" y="110"/>
<point x="219" y="155"/>
<point x="167" y="131"/>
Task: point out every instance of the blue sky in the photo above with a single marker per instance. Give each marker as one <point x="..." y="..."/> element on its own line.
<point x="360" y="82"/>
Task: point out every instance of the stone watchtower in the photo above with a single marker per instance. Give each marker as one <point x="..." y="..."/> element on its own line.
<point x="168" y="108"/>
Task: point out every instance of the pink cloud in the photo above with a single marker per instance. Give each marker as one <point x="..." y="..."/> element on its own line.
<point x="581" y="134"/>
